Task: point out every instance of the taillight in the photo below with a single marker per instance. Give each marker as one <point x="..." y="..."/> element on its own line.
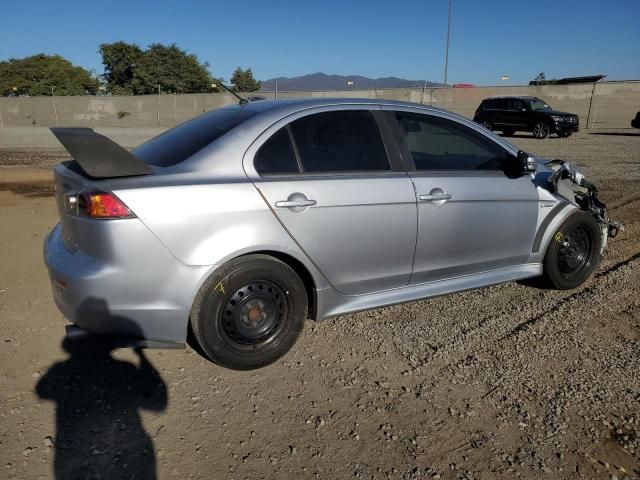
<point x="103" y="205"/>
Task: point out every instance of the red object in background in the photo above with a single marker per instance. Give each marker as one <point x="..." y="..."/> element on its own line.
<point x="463" y="85"/>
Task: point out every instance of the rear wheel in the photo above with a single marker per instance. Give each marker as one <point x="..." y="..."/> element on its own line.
<point x="574" y="252"/>
<point x="487" y="124"/>
<point x="541" y="130"/>
<point x="250" y="312"/>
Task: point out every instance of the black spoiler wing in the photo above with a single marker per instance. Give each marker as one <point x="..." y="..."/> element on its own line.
<point x="99" y="156"/>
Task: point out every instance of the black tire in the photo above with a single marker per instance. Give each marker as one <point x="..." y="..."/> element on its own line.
<point x="250" y="312"/>
<point x="541" y="130"/>
<point x="508" y="132"/>
<point x="574" y="252"/>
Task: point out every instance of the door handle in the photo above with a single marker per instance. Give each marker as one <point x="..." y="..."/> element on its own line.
<point x="432" y="197"/>
<point x="295" y="203"/>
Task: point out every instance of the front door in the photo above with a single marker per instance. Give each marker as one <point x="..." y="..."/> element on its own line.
<point x="329" y="180"/>
<point x="471" y="216"/>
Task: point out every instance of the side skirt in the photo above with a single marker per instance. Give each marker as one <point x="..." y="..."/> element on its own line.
<point x="332" y="303"/>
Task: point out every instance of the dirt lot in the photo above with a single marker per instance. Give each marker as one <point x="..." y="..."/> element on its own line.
<point x="507" y="382"/>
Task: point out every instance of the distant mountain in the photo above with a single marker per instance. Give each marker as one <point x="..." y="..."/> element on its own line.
<point x="322" y="81"/>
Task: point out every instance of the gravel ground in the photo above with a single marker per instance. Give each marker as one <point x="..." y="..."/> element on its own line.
<point x="511" y="381"/>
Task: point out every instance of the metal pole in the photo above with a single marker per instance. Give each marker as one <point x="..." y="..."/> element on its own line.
<point x="590" y="102"/>
<point x="276" y="88"/>
<point x="424" y="87"/>
<point x="174" y="107"/>
<point x="446" y="55"/>
<point x="55" y="110"/>
<point x="158" y="112"/>
<point x="595" y="110"/>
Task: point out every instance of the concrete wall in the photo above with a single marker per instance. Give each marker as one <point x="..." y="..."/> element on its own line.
<point x="614" y="104"/>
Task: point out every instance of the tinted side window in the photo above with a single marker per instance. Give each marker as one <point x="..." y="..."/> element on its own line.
<point x="346" y="141"/>
<point x="440" y="144"/>
<point x="489" y="104"/>
<point x="276" y="155"/>
<point x="502" y="104"/>
<point x="516" y="104"/>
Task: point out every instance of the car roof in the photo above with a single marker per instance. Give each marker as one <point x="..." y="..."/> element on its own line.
<point x="295" y="104"/>
<point x="266" y="113"/>
<point x="522" y="97"/>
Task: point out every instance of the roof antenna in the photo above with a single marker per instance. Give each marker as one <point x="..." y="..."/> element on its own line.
<point x="242" y="101"/>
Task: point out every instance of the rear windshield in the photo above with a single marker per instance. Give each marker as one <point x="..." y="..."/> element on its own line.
<point x="179" y="143"/>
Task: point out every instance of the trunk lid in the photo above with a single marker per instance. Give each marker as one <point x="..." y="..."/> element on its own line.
<point x="68" y="181"/>
<point x="95" y="157"/>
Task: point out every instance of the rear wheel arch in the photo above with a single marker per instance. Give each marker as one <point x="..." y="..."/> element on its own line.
<point x="302" y="271"/>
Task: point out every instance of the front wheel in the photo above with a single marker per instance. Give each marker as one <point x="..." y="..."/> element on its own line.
<point x="250" y="312"/>
<point x="574" y="252"/>
<point x="541" y="130"/>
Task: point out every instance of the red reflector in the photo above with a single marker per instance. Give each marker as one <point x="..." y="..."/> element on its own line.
<point x="107" y="205"/>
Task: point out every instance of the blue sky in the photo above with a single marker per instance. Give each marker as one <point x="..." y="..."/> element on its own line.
<point x="403" y="38"/>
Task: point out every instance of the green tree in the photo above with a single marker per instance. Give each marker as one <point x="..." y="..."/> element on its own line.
<point x="37" y="74"/>
<point x="243" y="80"/>
<point x="120" y="60"/>
<point x="130" y="70"/>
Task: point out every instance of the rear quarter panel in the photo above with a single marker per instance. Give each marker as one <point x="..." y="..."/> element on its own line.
<point x="211" y="223"/>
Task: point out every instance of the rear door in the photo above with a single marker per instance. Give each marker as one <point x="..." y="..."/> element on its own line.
<point x="500" y="111"/>
<point x="517" y="115"/>
<point x="342" y="196"/>
<point x="471" y="216"/>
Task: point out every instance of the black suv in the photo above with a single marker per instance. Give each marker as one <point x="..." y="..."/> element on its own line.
<point x="528" y="114"/>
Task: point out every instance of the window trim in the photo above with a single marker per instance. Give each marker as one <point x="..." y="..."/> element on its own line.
<point x="294" y="145"/>
<point x="406" y="152"/>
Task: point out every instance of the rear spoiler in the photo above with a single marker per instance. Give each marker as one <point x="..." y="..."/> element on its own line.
<point x="99" y="156"/>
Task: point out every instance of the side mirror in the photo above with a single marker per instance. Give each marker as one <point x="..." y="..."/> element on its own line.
<point x="528" y="163"/>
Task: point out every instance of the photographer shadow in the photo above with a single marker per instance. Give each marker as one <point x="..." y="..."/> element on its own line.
<point x="99" y="432"/>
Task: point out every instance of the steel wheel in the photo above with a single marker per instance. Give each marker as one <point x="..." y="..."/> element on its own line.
<point x="576" y="251"/>
<point x="541" y="130"/>
<point x="249" y="312"/>
<point x="253" y="314"/>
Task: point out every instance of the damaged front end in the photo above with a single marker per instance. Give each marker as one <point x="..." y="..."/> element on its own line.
<point x="568" y="182"/>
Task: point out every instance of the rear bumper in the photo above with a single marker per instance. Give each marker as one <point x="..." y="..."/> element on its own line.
<point x="75" y="333"/>
<point x="137" y="291"/>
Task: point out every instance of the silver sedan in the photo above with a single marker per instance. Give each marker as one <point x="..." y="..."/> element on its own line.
<point x="241" y="223"/>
